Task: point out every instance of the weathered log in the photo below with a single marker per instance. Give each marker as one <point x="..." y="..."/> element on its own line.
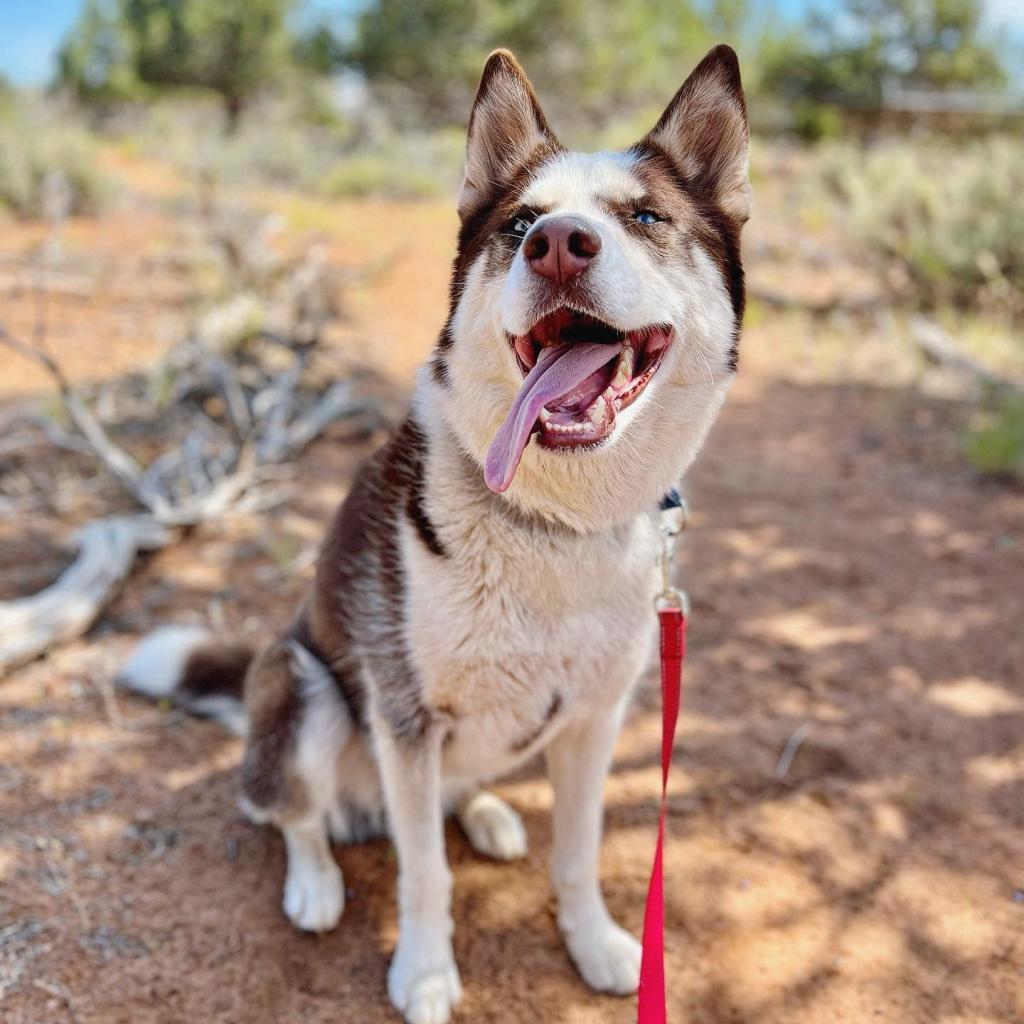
<point x="30" y="626"/>
<point x="939" y="348"/>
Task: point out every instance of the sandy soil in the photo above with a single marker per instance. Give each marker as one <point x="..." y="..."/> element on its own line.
<point x="850" y="580"/>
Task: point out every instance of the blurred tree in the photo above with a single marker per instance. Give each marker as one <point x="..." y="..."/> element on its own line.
<point x="97" y="58"/>
<point x="234" y="47"/>
<point x="847" y="57"/>
<point x="428" y="55"/>
<point x="319" y="48"/>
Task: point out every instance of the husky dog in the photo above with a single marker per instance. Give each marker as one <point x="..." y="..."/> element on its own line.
<point x="485" y="591"/>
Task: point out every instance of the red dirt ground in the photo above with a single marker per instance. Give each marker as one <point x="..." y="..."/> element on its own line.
<point x="850" y="578"/>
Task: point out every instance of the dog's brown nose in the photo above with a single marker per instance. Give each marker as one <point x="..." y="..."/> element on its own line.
<point x="561" y="248"/>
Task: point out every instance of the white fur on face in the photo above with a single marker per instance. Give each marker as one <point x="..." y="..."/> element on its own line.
<point x="656" y="438"/>
<point x="623" y="279"/>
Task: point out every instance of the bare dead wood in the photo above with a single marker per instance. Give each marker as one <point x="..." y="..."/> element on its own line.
<point x="148" y="487"/>
<point x="116" y="459"/>
<point x="793" y="744"/>
<point x="247" y="374"/>
<point x="862" y="303"/>
<point x="941" y="349"/>
<point x="30" y="626"/>
<point x="289" y="438"/>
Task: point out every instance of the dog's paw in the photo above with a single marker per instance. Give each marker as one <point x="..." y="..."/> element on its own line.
<point x="314" y="897"/>
<point x="492" y="827"/>
<point x="607" y="957"/>
<point x="424" y="987"/>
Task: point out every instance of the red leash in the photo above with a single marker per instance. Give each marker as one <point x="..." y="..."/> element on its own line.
<point x="671" y="605"/>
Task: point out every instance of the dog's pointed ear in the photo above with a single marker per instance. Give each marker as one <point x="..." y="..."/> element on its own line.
<point x="704" y="131"/>
<point x="505" y="127"/>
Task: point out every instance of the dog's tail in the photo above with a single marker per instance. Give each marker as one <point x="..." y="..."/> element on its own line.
<point x="187" y="665"/>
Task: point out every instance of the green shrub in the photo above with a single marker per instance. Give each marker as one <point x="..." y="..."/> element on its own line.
<point x="401" y="167"/>
<point x="816" y="122"/>
<point x="44" y="155"/>
<point x="996" y="445"/>
<point x="274" y="143"/>
<point x="373" y="175"/>
<point x="947" y="215"/>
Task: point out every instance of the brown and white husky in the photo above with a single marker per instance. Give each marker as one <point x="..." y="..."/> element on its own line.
<point x="485" y="591"/>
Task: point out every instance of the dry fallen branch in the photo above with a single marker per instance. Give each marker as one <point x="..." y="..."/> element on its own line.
<point x="864" y="303"/>
<point x="793" y="744"/>
<point x="245" y="390"/>
<point x="32" y="625"/>
<point x="147" y="488"/>
<point x="289" y="438"/>
<point x="939" y="348"/>
<point x="196" y="481"/>
<point x="118" y="461"/>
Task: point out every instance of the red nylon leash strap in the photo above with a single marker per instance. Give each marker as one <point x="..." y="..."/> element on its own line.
<point x="651" y="1005"/>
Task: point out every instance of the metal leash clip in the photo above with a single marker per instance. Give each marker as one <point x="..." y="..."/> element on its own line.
<point x="675" y="514"/>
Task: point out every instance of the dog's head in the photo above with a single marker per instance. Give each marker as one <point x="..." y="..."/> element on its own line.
<point x="596" y="298"/>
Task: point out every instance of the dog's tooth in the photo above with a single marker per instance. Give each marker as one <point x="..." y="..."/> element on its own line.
<point x="545" y="416"/>
<point x="624" y="368"/>
<point x="596" y="413"/>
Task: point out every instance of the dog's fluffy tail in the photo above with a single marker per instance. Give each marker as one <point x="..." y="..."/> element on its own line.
<point x="187" y="665"/>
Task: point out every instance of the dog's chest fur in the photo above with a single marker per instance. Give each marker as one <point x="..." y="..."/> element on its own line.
<point x="521" y="625"/>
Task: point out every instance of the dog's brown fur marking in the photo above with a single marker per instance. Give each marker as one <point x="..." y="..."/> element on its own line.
<point x="693" y="208"/>
<point x="481" y="225"/>
<point x="363" y="534"/>
<point x="274" y="708"/>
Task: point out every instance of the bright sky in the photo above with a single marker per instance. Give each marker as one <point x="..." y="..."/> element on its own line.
<point x="31" y="30"/>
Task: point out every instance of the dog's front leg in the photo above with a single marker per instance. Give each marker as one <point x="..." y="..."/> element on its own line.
<point x="578" y="758"/>
<point x="423" y="981"/>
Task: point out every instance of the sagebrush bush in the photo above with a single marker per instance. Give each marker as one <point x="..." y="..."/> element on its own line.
<point x="281" y="142"/>
<point x="274" y="143"/>
<point x="45" y="160"/>
<point x="995" y="445"/>
<point x="948" y="214"/>
<point x="400" y="167"/>
<point x="370" y="174"/>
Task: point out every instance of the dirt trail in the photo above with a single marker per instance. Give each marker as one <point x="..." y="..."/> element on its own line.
<point x="850" y="580"/>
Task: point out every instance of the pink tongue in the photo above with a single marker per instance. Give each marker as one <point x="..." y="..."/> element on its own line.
<point x="558" y="370"/>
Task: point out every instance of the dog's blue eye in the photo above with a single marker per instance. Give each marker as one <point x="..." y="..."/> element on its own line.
<point x="646" y="217"/>
<point x="520" y="226"/>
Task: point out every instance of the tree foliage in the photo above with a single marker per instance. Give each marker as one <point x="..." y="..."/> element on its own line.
<point x="428" y="55"/>
<point x="847" y="57"/>
<point x="423" y="57"/>
<point x="120" y="47"/>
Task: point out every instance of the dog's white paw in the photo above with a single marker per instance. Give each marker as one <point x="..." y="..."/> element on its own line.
<point x="607" y="957"/>
<point x="314" y="897"/>
<point x="423" y="985"/>
<point x="492" y="827"/>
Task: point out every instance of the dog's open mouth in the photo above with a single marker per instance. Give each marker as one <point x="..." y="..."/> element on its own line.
<point x="580" y="372"/>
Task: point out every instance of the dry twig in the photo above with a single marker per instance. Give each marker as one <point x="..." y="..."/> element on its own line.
<point x="250" y="355"/>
